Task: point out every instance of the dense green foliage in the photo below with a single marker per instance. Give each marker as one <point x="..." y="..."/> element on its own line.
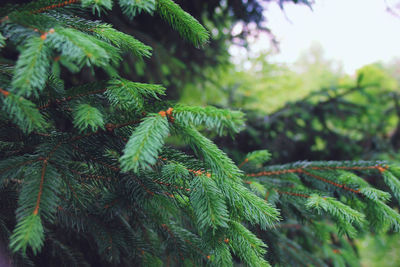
<point x="89" y="174"/>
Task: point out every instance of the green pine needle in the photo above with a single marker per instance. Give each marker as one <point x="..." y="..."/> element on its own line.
<point x="124" y="41"/>
<point x="86" y="116"/>
<point x="246" y="245"/>
<point x="32" y="68"/>
<point x="213" y="118"/>
<point x="208" y="204"/>
<point x="24" y="113"/>
<point x="131" y="8"/>
<point x="187" y="26"/>
<point x="128" y="95"/>
<point x="28" y="232"/>
<point x="145" y="143"/>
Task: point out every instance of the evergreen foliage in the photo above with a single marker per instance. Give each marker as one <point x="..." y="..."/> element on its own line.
<point x="97" y="185"/>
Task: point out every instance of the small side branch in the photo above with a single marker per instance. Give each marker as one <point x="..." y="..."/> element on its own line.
<point x="35" y="212"/>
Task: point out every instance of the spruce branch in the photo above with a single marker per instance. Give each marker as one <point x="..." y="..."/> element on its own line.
<point x="222" y="255"/>
<point x="78" y="49"/>
<point x="46" y="5"/>
<point x="187" y="26"/>
<point x="98" y="5"/>
<point x="86" y="116"/>
<point x="393" y="183"/>
<point x="38" y="200"/>
<point x="337" y="209"/>
<point x="208" y="204"/>
<point x="146" y="141"/>
<point x="125" y="42"/>
<point x="256" y="157"/>
<point x="2" y="41"/>
<point x="246" y="245"/>
<point x="32" y="69"/>
<point x="69" y="98"/>
<point x="128" y="95"/>
<point x="132" y="8"/>
<point x="219" y="163"/>
<point x="253" y="208"/>
<point x="23" y="112"/>
<point x="213" y="118"/>
<point x="28" y="232"/>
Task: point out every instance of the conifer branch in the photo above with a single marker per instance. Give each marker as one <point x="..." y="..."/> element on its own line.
<point x="222" y="166"/>
<point x="213" y="118"/>
<point x="32" y="68"/>
<point x="380" y="168"/>
<point x="185" y="24"/>
<point x="112" y="168"/>
<point x="209" y="206"/>
<point x="330" y="182"/>
<point x="36" y="210"/>
<point x="13" y="166"/>
<point x="293" y="194"/>
<point x="24" y="113"/>
<point x="54" y="6"/>
<point x="69" y="98"/>
<point x="143" y="146"/>
<point x="256" y="157"/>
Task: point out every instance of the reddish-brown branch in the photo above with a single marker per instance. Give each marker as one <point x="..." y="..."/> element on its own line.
<point x="195" y="172"/>
<point x="72" y="190"/>
<point x="69" y="98"/>
<point x="4" y="92"/>
<point x="78" y="137"/>
<point x="292" y="194"/>
<point x="35" y="212"/>
<point x="62" y="4"/>
<point x="266" y="196"/>
<point x="54" y="150"/>
<point x="113" y="168"/>
<point x="42" y="134"/>
<point x="331" y="182"/>
<point x="45" y="162"/>
<point x="92" y="176"/>
<point x="281" y="192"/>
<point x="377" y="167"/>
<point x="244" y="162"/>
<point x="299" y="170"/>
<point x="168" y="184"/>
<point x="110" y="127"/>
<point x="265" y="173"/>
<point x="303" y="170"/>
<point x="311" y="175"/>
<point x="20" y="164"/>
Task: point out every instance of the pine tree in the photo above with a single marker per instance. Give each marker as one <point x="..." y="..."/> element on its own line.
<point x="88" y="176"/>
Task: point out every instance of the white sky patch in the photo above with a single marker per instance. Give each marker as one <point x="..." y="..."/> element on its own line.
<point x="354" y="32"/>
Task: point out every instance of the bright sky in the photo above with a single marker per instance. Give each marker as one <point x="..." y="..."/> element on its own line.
<point x="355" y="32"/>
